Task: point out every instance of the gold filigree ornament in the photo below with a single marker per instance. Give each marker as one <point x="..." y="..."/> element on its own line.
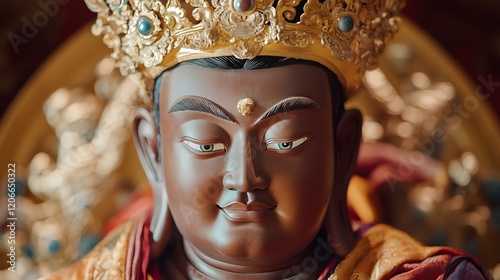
<point x="149" y="36"/>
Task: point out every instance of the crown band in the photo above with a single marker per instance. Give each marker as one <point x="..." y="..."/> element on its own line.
<point x="147" y="36"/>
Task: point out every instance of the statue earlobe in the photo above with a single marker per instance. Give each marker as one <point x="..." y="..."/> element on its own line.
<point x="337" y="222"/>
<point x="148" y="150"/>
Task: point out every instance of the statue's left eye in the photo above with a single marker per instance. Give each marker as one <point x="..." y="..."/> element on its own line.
<point x="283" y="146"/>
<point x="205" y="148"/>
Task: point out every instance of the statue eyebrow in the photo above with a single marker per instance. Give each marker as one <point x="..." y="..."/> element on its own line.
<point x="199" y="105"/>
<point x="291" y="104"/>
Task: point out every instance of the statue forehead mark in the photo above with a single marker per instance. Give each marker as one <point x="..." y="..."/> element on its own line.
<point x="245" y="106"/>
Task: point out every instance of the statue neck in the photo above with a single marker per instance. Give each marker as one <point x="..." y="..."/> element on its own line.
<point x="195" y="265"/>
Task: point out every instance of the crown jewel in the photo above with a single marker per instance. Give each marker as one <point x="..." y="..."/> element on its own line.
<point x="148" y="36"/>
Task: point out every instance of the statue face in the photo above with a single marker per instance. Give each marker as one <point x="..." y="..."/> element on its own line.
<point x="247" y="190"/>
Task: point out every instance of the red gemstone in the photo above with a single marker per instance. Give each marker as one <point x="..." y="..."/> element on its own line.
<point x="242" y="6"/>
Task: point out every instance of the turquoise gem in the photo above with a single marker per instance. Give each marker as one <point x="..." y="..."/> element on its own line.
<point x="54" y="246"/>
<point x="242" y="6"/>
<point x="87" y="243"/>
<point x="19" y="187"/>
<point x="29" y="251"/>
<point x="120" y="6"/>
<point x="345" y="24"/>
<point x="144" y="26"/>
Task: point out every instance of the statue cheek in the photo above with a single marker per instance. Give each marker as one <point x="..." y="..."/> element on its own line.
<point x="191" y="180"/>
<point x="192" y="195"/>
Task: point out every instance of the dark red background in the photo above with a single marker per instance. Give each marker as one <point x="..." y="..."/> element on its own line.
<point x="468" y="30"/>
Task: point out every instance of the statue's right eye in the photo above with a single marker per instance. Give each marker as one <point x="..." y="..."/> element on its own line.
<point x="205" y="148"/>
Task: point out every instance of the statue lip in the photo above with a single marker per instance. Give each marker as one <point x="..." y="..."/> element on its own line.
<point x="252" y="211"/>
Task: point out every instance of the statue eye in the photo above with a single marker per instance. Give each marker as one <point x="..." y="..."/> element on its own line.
<point x="283" y="146"/>
<point x="205" y="148"/>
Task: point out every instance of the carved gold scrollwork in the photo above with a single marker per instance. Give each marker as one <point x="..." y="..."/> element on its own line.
<point x="200" y="25"/>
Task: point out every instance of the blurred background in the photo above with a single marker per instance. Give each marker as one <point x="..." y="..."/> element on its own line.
<point x="71" y="182"/>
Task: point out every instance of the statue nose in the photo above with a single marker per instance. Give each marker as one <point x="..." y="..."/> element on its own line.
<point x="245" y="183"/>
<point x="242" y="173"/>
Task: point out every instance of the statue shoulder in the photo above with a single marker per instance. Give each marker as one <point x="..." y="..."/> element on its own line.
<point x="106" y="261"/>
<point x="383" y="252"/>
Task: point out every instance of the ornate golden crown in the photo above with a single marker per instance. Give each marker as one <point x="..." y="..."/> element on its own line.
<point x="149" y="36"/>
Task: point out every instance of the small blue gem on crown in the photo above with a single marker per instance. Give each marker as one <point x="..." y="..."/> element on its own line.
<point x="54" y="246"/>
<point x="345" y="24"/>
<point x="144" y="26"/>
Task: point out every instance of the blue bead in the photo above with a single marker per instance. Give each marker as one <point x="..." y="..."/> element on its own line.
<point x="87" y="243"/>
<point x="144" y="26"/>
<point x="29" y="251"/>
<point x="121" y="5"/>
<point x="19" y="187"/>
<point x="345" y="24"/>
<point x="54" y="246"/>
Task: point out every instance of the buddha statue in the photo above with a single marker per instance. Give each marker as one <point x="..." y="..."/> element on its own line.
<point x="247" y="146"/>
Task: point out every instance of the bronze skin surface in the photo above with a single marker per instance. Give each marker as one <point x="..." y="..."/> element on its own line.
<point x="249" y="193"/>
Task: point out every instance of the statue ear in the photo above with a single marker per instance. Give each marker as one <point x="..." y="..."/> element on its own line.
<point x="337" y="221"/>
<point x="148" y="149"/>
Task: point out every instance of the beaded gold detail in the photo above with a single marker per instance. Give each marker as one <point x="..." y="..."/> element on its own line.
<point x="148" y="36"/>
